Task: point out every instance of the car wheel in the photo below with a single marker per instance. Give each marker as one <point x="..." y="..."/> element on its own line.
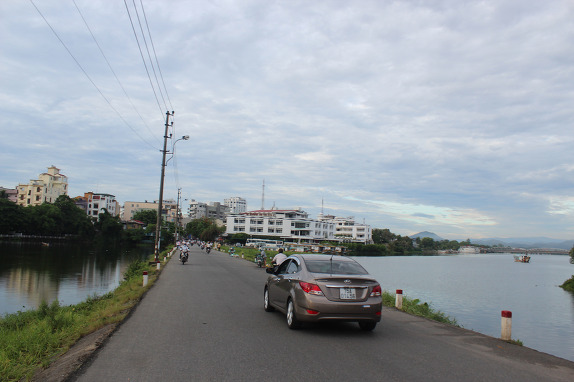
<point x="367" y="325"/>
<point x="292" y="321"/>
<point x="266" y="305"/>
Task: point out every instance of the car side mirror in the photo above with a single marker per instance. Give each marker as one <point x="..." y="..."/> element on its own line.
<point x="270" y="270"/>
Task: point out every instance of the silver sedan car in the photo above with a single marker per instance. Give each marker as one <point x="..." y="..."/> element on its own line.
<point x="313" y="288"/>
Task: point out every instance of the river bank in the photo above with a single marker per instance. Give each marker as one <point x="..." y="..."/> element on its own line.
<point x="31" y="340"/>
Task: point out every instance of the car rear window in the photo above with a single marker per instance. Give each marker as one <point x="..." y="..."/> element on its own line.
<point x="335" y="267"/>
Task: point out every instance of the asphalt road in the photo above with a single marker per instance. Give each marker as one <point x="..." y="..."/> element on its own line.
<point x="204" y="321"/>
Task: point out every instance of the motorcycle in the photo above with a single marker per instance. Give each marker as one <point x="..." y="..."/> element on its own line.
<point x="260" y="260"/>
<point x="183" y="257"/>
<point x="208" y="249"/>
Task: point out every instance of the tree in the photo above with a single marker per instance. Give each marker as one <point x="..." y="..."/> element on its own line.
<point x="197" y="226"/>
<point x="146" y="216"/>
<point x="11" y="216"/>
<point x="108" y="225"/>
<point x="572" y="255"/>
<point x="383" y="236"/>
<point x="427" y="243"/>
<point x="73" y="219"/>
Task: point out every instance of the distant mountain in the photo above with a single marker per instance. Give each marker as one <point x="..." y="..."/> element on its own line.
<point x="515" y="242"/>
<point x="433" y="236"/>
<point x="526" y="242"/>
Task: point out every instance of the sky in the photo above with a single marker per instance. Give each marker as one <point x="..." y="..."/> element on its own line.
<point x="454" y="117"/>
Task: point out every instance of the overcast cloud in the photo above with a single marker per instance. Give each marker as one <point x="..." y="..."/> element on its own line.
<point x="454" y="117"/>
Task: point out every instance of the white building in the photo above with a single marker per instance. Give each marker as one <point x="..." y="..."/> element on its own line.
<point x="96" y="203"/>
<point x="285" y="224"/>
<point x="236" y="205"/>
<point x="346" y="229"/>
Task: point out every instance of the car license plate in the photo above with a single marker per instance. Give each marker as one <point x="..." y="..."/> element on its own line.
<point x="348" y="294"/>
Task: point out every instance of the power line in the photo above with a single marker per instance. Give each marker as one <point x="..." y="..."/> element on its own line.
<point x="88" y="77"/>
<point x="148" y="54"/>
<point x="142" y="56"/>
<point x="155" y="55"/>
<point x="111" y="69"/>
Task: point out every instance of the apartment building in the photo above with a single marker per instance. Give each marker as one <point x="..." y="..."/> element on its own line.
<point x="210" y="210"/>
<point x="295" y="225"/>
<point x="96" y="203"/>
<point x="285" y="224"/>
<point x="346" y="229"/>
<point x="236" y="204"/>
<point x="45" y="189"/>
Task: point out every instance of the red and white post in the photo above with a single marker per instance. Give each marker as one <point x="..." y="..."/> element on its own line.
<point x="158" y="264"/>
<point x="506" y="325"/>
<point x="399" y="299"/>
<point x="145" y="278"/>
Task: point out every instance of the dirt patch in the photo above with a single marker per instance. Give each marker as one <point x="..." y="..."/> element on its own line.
<point x="74" y="358"/>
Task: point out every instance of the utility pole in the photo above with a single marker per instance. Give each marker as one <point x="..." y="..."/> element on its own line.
<point x="177" y="214"/>
<point x="160" y="203"/>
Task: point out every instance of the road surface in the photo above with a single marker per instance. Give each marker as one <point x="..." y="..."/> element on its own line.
<point x="204" y="321"/>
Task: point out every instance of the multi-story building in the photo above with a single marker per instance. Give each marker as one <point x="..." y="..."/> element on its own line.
<point x="98" y="202"/>
<point x="11" y="193"/>
<point x="236" y="204"/>
<point x="295" y="225"/>
<point x="169" y="209"/>
<point x="211" y="210"/>
<point x="285" y="224"/>
<point x="46" y="189"/>
<point x="346" y="229"/>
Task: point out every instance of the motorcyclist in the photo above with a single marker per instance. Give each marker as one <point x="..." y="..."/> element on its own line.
<point x="279" y="258"/>
<point x="263" y="257"/>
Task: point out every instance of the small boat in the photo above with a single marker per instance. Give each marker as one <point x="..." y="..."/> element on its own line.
<point x="522" y="258"/>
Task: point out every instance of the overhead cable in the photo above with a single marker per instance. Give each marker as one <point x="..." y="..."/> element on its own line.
<point x="111" y="69"/>
<point x="88" y="77"/>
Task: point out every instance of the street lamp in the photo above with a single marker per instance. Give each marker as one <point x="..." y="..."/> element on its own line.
<point x="163" y="164"/>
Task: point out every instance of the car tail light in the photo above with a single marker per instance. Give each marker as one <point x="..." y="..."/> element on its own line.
<point x="310" y="311"/>
<point x="311" y="288"/>
<point x="378" y="313"/>
<point x="376" y="292"/>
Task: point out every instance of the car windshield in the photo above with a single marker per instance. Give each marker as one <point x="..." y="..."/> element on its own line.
<point x="335" y="267"/>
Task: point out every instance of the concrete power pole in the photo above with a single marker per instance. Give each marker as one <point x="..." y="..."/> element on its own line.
<point x="160" y="202"/>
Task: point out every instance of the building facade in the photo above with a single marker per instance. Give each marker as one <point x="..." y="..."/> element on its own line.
<point x="295" y="225"/>
<point x="347" y="230"/>
<point x="236" y="205"/>
<point x="292" y="225"/>
<point x="96" y="203"/>
<point x="210" y="210"/>
<point x="11" y="193"/>
<point x="45" y="189"/>
<point x="169" y="209"/>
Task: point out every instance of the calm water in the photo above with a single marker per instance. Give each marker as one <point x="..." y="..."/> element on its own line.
<point x="474" y="289"/>
<point x="31" y="273"/>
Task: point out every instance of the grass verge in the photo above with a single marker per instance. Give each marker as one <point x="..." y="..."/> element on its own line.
<point x="416" y="308"/>
<point x="33" y="339"/>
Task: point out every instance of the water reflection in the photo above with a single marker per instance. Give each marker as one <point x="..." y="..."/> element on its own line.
<point x="32" y="273"/>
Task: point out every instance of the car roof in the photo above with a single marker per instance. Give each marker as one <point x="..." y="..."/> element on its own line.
<point x="316" y="256"/>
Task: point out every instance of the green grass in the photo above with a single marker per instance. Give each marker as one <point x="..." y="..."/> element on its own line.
<point x="568" y="284"/>
<point x="32" y="339"/>
<point x="415" y="307"/>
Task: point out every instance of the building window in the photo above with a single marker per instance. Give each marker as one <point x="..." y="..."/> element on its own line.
<point x="279" y="230"/>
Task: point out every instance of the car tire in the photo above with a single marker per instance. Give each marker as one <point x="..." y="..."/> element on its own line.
<point x="292" y="321"/>
<point x="266" y="304"/>
<point x="367" y="325"/>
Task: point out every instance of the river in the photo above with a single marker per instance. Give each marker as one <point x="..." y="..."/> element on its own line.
<point x="70" y="273"/>
<point x="474" y="289"/>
